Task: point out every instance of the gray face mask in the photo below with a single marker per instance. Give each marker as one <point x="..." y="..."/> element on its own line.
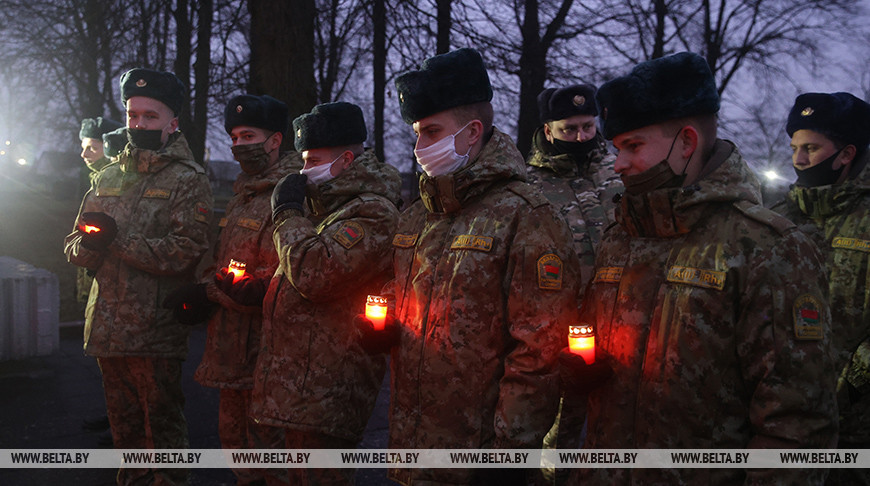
<point x="252" y="157"/>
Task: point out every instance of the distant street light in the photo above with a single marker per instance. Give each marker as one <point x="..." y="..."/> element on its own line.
<point x="771" y="175"/>
<point x="9" y="142"/>
<point x="21" y="162"/>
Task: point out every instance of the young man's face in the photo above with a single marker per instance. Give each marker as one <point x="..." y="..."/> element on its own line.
<point x="809" y="148"/>
<point x="578" y="128"/>
<point x="435" y="127"/>
<point x="92" y="150"/>
<point x="149" y="114"/>
<point x="640" y="149"/>
<point x="243" y="135"/>
<point x="325" y="155"/>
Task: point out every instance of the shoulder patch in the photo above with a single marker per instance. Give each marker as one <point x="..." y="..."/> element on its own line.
<point x="349" y="234"/>
<point x="471" y="242"/>
<point x="608" y="275"/>
<point x="765" y="216"/>
<point x="697" y="277"/>
<point x="550" y="272"/>
<point x="157" y="193"/>
<point x="532" y="194"/>
<point x="108" y="191"/>
<point x="851" y="244"/>
<point x="201" y="212"/>
<point x="404" y="241"/>
<point x="251" y="224"/>
<point x="808" y="318"/>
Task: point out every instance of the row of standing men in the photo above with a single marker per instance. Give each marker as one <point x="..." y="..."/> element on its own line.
<point x="720" y="324"/>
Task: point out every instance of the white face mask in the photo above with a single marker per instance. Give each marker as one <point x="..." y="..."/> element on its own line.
<point x="321" y="173"/>
<point x="441" y="158"/>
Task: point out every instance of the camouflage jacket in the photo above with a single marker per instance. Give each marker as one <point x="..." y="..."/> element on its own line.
<point x="712" y="312"/>
<point x="84" y="282"/>
<point x="485" y="294"/>
<point x="838" y="217"/>
<point x="233" y="338"/>
<point x="161" y="202"/>
<point x="312" y="375"/>
<point x="582" y="190"/>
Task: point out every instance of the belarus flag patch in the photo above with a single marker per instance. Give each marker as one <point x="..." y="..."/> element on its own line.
<point x="349" y="234"/>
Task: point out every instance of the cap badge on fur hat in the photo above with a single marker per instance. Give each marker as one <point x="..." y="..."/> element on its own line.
<point x="239" y="109"/>
<point x="579" y="100"/>
<point x="141" y="83"/>
<point x="807" y="111"/>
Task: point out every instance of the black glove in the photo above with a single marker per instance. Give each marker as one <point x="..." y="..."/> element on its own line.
<point x="502" y="477"/>
<point x="189" y="304"/>
<point x="247" y="291"/>
<point x="289" y="193"/>
<point x="578" y="378"/>
<point x="377" y="342"/>
<point x="99" y="230"/>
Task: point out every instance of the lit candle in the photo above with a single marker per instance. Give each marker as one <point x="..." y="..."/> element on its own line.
<point x="376" y="311"/>
<point x="237" y="269"/>
<point x="90" y="229"/>
<point x="581" y="341"/>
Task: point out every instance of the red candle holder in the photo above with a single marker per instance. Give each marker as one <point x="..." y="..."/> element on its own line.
<point x="581" y="341"/>
<point x="236" y="268"/>
<point x="376" y="311"/>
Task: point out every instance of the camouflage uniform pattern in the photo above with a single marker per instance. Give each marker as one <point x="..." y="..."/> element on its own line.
<point x="582" y="190"/>
<point x="483" y="316"/>
<point x="161" y="201"/>
<point x="694" y="301"/>
<point x="312" y="375"/>
<point x="83" y="280"/>
<point x="838" y="218"/>
<point x="233" y="337"/>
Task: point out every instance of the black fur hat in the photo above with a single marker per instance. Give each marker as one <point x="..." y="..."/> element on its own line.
<point x="561" y="103"/>
<point x="655" y="91"/>
<point x="330" y="125"/>
<point x="839" y="116"/>
<point x="257" y="111"/>
<point x="114" y="142"/>
<point x="445" y="81"/>
<point x="97" y="127"/>
<point x="159" y="85"/>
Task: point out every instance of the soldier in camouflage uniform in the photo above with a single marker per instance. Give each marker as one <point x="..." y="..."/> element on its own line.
<point x="486" y="283"/>
<point x="710" y="309"/>
<point x="143" y="228"/>
<point x="312" y="378"/>
<point x="256" y="125"/>
<point x="570" y="163"/>
<point x="830" y="201"/>
<point x="91" y="135"/>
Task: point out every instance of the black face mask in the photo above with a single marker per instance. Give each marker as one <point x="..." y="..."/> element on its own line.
<point x="656" y="177"/>
<point x="574" y="148"/>
<point x="145" y="139"/>
<point x="252" y="157"/>
<point x="821" y="174"/>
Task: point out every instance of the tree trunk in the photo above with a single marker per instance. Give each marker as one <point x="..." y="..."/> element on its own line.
<point x="201" y="66"/>
<point x="181" y="66"/>
<point x="282" y="54"/>
<point x="533" y="73"/>
<point x="444" y="24"/>
<point x="379" y="63"/>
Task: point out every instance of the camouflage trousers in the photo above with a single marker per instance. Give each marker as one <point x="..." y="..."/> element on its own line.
<point x="145" y="406"/>
<point x="296" y="439"/>
<point x="238" y="431"/>
<point x="566" y="433"/>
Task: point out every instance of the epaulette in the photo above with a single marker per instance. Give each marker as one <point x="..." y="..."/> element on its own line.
<point x="764" y="216"/>
<point x="532" y="194"/>
<point x="192" y="164"/>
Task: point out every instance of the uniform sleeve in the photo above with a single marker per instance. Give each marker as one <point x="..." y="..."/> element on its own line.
<point x="542" y="303"/>
<point x="784" y="347"/>
<point x="181" y="248"/>
<point x="72" y="244"/>
<point x="353" y="244"/>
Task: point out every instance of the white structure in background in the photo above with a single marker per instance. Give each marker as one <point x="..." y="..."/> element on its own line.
<point x="29" y="310"/>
